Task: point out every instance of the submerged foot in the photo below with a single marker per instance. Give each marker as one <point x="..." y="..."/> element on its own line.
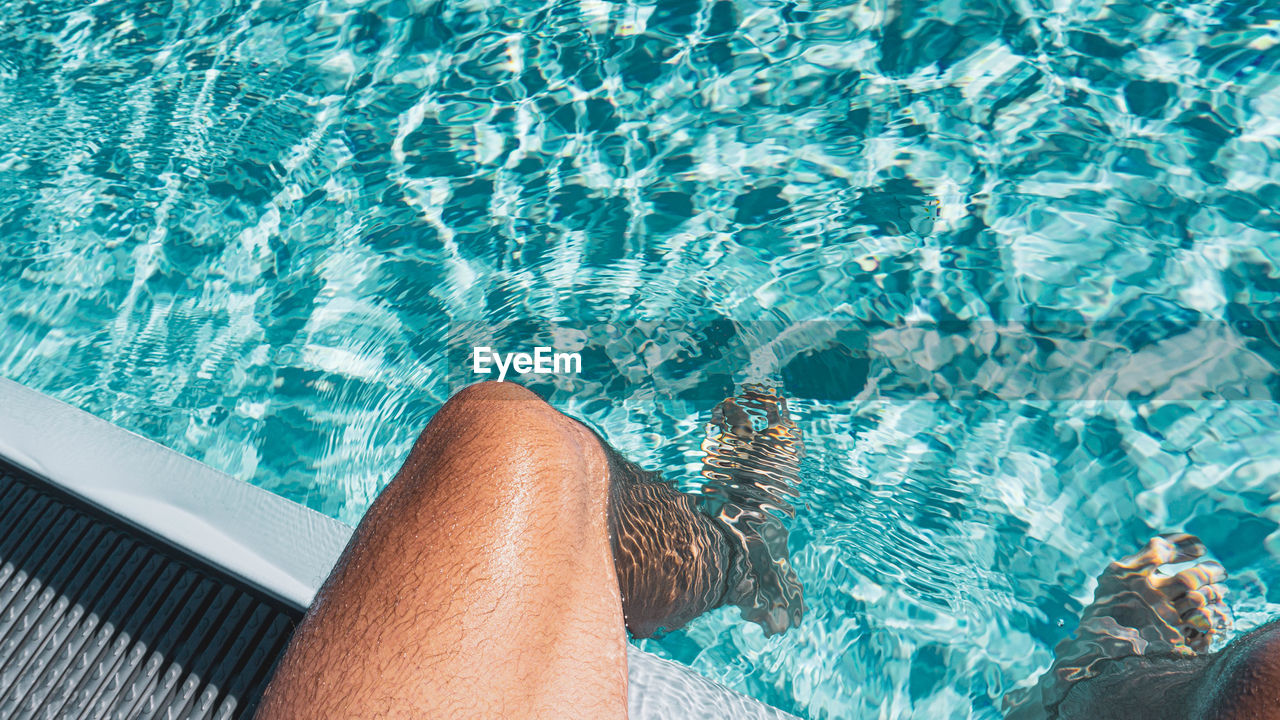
<point x="678" y="555"/>
<point x="1138" y="611"/>
<point x="752" y="464"/>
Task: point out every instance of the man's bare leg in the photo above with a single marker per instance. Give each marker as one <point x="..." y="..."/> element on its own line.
<point x="678" y="555"/>
<point x="496" y="571"/>
<point x="479" y="584"/>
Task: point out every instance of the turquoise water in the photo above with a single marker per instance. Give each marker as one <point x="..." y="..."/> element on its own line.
<point x="1016" y="263"/>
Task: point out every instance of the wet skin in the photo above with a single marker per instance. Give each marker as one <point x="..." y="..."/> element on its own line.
<point x="678" y="555"/>
<point x="1141" y="651"/>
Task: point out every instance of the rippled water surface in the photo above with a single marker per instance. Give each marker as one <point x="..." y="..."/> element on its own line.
<point x="1015" y="264"/>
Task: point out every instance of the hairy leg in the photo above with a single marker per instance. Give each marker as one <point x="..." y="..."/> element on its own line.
<point x="672" y="561"/>
<point x="679" y="555"/>
<point x="479" y="584"/>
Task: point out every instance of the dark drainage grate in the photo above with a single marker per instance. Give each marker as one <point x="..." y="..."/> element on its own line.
<point x="99" y="620"/>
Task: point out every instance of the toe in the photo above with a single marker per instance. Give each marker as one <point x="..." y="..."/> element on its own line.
<point x="1209" y="572"/>
<point x="1202" y="624"/>
<point x="1204" y="596"/>
<point x="1186" y="546"/>
<point x="1162" y="550"/>
<point x="1209" y="618"/>
<point x="1202" y="610"/>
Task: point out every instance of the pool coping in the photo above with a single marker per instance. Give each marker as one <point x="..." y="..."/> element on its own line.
<point x="270" y="542"/>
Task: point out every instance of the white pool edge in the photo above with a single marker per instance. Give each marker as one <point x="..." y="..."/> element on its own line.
<point x="270" y="542"/>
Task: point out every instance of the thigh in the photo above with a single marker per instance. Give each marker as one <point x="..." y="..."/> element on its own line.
<point x="1243" y="681"/>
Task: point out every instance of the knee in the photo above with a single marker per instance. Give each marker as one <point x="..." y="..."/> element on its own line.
<point x="496" y="408"/>
<point x="506" y="423"/>
<point x="1244" y="681"/>
<point x="513" y="412"/>
<point x="491" y="395"/>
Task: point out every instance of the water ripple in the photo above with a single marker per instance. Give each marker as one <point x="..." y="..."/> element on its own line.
<point x="1014" y="265"/>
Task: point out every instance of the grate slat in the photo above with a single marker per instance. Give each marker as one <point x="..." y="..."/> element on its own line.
<point x="100" y="620"/>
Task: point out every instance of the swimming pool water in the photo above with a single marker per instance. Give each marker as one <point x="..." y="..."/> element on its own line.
<point x="1015" y="262"/>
